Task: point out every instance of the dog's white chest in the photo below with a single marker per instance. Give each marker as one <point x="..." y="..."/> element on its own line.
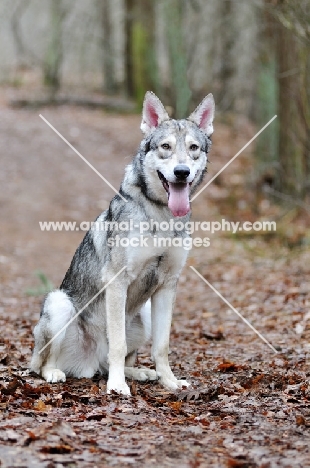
<point x="165" y="259"/>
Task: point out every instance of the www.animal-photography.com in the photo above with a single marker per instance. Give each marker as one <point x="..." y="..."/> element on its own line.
<point x="155" y="247"/>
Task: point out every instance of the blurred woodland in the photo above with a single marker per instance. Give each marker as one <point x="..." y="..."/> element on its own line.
<point x="254" y="56"/>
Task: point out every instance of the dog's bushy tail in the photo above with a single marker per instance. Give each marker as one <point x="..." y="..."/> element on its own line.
<point x="56" y="312"/>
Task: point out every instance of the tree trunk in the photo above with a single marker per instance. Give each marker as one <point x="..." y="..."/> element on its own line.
<point x="53" y="59"/>
<point x="129" y="57"/>
<point x="113" y="45"/>
<point x="141" y="69"/>
<point x="163" y="78"/>
<point x="174" y="30"/>
<point x="108" y="68"/>
<point x="292" y="154"/>
<point x="304" y="54"/>
<point x="225" y="39"/>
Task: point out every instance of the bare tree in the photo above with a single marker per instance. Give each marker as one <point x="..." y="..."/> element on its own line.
<point x="54" y="53"/>
<point x="141" y="67"/>
<point x="293" y="58"/>
<point x="174" y="30"/>
<point x="113" y="45"/>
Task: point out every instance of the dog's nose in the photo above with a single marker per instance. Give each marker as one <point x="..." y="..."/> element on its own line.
<point x="181" y="171"/>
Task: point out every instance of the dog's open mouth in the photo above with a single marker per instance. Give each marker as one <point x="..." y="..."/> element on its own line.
<point x="178" y="195"/>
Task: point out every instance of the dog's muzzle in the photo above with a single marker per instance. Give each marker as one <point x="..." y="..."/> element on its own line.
<point x="177" y="192"/>
<point x="181" y="171"/>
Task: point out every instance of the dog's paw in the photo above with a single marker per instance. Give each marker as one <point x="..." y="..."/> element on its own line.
<point x="172" y="383"/>
<point x="150" y="374"/>
<point x="140" y="374"/>
<point x="53" y="375"/>
<point x="118" y="387"/>
<point x="182" y="383"/>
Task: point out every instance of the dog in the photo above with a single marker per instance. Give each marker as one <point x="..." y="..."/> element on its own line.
<point x="114" y="296"/>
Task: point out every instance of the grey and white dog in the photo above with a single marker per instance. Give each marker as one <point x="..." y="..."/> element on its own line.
<point x="157" y="186"/>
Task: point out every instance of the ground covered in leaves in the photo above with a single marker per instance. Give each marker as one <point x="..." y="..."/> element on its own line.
<point x="247" y="406"/>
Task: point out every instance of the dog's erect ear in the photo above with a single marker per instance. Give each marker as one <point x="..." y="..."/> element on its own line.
<point x="203" y="115"/>
<point x="153" y="113"/>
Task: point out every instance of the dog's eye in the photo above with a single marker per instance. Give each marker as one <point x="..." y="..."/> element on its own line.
<point x="166" y="146"/>
<point x="193" y="147"/>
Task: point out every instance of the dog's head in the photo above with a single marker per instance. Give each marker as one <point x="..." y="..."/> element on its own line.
<point x="175" y="151"/>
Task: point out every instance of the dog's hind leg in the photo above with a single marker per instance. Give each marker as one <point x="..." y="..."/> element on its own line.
<point x="138" y="373"/>
<point x="57" y="311"/>
<point x="131" y="358"/>
<point x="137" y="333"/>
<point x="53" y="375"/>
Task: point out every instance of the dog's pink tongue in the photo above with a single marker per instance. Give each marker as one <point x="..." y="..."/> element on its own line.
<point x="178" y="202"/>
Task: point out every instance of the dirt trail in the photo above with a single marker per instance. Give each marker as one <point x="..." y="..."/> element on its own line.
<point x="248" y="406"/>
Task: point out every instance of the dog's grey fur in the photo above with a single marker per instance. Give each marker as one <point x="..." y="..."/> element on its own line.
<point x="139" y="303"/>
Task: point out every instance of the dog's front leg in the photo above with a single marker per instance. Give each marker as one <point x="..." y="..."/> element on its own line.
<point x="115" y="313"/>
<point x="162" y="306"/>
